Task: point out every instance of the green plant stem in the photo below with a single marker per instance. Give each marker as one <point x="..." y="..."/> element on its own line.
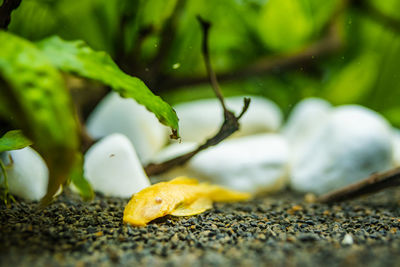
<point x="5" y="193"/>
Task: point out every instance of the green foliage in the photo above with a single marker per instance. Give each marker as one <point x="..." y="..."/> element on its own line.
<point x="298" y="20"/>
<point x="77" y="58"/>
<point x="284" y="16"/>
<point x="13" y="140"/>
<point x="4" y="193"/>
<point x="353" y="81"/>
<point x="36" y="96"/>
<point x="95" y="20"/>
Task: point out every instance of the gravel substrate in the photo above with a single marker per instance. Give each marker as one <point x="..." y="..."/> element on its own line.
<point x="274" y="230"/>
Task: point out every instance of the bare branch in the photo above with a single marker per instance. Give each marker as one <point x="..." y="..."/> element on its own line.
<point x="229" y="126"/>
<point x="205" y="25"/>
<point x="5" y="12"/>
<point x="372" y="184"/>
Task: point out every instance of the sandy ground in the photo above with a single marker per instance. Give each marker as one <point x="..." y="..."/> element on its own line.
<point x="274" y="230"/>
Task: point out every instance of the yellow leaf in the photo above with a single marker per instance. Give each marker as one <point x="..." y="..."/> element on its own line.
<point x="180" y="197"/>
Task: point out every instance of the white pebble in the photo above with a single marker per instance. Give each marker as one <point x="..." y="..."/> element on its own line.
<point x="113" y="168"/>
<point x="252" y="164"/>
<point x="27" y="173"/>
<point x="116" y="114"/>
<point x="347" y="240"/>
<point x="199" y="120"/>
<point x="396" y="147"/>
<point x="304" y="119"/>
<point x="351" y="144"/>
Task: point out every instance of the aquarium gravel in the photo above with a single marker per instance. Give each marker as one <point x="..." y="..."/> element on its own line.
<point x="272" y="230"/>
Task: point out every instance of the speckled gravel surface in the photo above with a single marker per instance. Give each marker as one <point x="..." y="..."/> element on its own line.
<point x="275" y="230"/>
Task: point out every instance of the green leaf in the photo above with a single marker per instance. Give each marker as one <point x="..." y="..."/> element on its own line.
<point x="79" y="181"/>
<point x="284" y="24"/>
<point x="76" y="57"/>
<point x="13" y="140"/>
<point x="288" y="24"/>
<point x="354" y="81"/>
<point x="34" y="93"/>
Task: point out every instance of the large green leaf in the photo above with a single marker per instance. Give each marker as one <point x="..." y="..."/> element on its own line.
<point x="76" y="57"/>
<point x="34" y="93"/>
<point x="13" y="140"/>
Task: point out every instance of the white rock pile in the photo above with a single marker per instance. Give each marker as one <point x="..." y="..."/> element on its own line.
<point x="253" y="164"/>
<point x="350" y="144"/>
<point x="319" y="149"/>
<point x="115" y="114"/>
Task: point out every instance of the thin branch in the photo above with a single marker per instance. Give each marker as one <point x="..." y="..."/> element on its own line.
<point x="5" y="12"/>
<point x="206" y="55"/>
<point x="229" y="126"/>
<point x="372" y="184"/>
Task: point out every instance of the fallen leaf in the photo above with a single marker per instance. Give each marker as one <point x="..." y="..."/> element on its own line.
<point x="181" y="196"/>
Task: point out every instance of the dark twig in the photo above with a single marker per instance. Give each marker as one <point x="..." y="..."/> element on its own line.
<point x="5" y="12"/>
<point x="206" y="54"/>
<point x="229" y="126"/>
<point x="372" y="184"/>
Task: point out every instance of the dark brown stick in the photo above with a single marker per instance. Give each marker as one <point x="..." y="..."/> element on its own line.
<point x="372" y="184"/>
<point x="229" y="126"/>
<point x="211" y="74"/>
<point x="5" y="12"/>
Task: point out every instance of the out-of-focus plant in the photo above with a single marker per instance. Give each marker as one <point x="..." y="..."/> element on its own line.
<point x="346" y="51"/>
<point x="34" y="98"/>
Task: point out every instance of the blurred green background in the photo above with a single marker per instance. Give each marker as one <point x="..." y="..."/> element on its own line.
<point x="286" y="50"/>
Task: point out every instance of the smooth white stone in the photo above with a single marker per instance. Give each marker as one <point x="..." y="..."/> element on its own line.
<point x="396" y="147"/>
<point x="351" y="144"/>
<point x="304" y="119"/>
<point x="252" y="164"/>
<point x="347" y="240"/>
<point x="199" y="120"/>
<point x="113" y="168"/>
<point x="27" y="173"/>
<point x="116" y="114"/>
